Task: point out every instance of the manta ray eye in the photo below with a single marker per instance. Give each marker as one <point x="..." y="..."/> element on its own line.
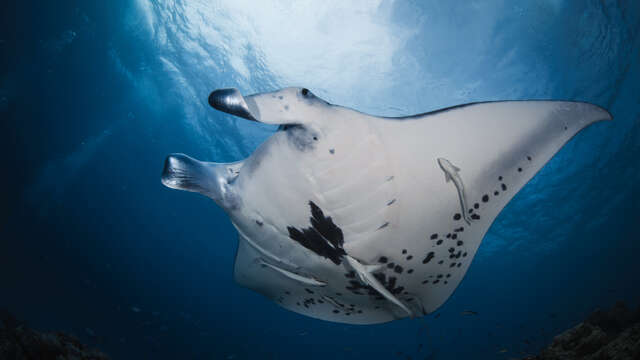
<point x="305" y="92"/>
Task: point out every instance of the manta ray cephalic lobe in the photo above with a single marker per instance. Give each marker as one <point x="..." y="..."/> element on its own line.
<point x="360" y="219"/>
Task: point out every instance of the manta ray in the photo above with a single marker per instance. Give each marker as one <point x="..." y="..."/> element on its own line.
<point x="361" y="219"/>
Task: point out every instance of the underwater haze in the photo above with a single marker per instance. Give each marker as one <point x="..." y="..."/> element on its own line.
<point x="94" y="95"/>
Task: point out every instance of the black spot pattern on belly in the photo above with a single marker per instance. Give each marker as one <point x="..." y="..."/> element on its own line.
<point x="434" y="236"/>
<point x="485" y="198"/>
<point x="323" y="237"/>
<point x="383" y="259"/>
<point x="439" y="242"/>
<point x="428" y="258"/>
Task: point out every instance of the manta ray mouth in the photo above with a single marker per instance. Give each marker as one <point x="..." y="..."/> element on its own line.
<point x="232" y="102"/>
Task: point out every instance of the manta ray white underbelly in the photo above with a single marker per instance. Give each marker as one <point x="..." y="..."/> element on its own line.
<point x="349" y="217"/>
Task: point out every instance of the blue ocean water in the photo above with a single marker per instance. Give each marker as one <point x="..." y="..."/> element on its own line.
<point x="94" y="95"/>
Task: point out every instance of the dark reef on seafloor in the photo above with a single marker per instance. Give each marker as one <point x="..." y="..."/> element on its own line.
<point x="604" y="335"/>
<point x="19" y="342"/>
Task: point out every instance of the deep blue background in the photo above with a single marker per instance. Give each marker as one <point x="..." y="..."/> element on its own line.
<point x="93" y="95"/>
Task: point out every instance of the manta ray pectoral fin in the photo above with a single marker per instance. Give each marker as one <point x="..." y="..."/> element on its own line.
<point x="367" y="277"/>
<point x="209" y="179"/>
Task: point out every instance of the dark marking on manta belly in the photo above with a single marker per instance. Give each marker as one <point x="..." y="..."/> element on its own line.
<point x="301" y="137"/>
<point x="383" y="225"/>
<point x="428" y="258"/>
<point x="324" y="237"/>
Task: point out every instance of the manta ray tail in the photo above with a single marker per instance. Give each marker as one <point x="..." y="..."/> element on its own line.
<point x="365" y="275"/>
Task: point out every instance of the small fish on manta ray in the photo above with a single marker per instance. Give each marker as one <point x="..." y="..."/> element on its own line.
<point x="346" y="217"/>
